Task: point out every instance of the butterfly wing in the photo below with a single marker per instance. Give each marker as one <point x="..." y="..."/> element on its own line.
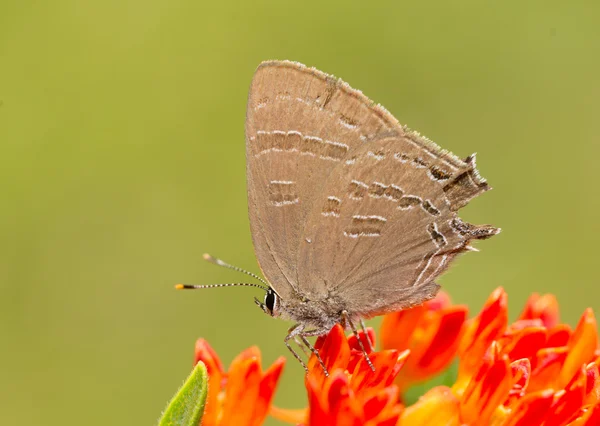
<point x="302" y="127"/>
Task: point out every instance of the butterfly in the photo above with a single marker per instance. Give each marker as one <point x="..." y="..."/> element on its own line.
<point x="352" y="215"/>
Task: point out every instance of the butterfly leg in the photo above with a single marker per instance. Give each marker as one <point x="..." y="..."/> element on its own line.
<point x="364" y="329"/>
<point x="304" y="348"/>
<point x="293" y="333"/>
<point x="313" y="349"/>
<point x="346" y="320"/>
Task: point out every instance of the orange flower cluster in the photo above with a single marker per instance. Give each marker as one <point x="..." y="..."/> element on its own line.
<point x="533" y="372"/>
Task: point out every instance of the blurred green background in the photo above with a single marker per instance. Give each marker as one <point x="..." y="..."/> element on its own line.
<point x="122" y="161"/>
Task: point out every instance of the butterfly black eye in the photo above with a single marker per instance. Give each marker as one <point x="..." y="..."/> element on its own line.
<point x="270" y="299"/>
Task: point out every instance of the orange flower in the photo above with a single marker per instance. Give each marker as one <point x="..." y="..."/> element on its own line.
<point x="431" y="332"/>
<point x="353" y="394"/>
<point x="242" y="396"/>
<point x="335" y="402"/>
<point x="339" y="352"/>
<point x="532" y="372"/>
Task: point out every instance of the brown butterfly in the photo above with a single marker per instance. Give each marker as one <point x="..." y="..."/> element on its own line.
<point x="352" y="214"/>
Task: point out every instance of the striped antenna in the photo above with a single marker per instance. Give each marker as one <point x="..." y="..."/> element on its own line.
<point x="199" y="286"/>
<point x="219" y="262"/>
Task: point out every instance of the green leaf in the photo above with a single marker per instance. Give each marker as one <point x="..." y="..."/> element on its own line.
<point x="187" y="406"/>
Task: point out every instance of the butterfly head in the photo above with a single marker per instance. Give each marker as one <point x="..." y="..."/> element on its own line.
<point x="271" y="304"/>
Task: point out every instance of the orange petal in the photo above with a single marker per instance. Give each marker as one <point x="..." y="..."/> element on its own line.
<point x="317" y="401"/>
<point x="566" y="406"/>
<point x="488" y="324"/>
<point x="568" y="402"/>
<point x="433" y="344"/>
<point x="592" y="389"/>
<point x="543" y="307"/>
<point x="444" y="343"/>
<point x="387" y="365"/>
<point x="289" y="416"/>
<point x="353" y="341"/>
<point x="479" y="333"/>
<point x="386" y="418"/>
<point x="334" y="351"/>
<point x="520" y="371"/>
<point x="250" y="353"/>
<point x="582" y="345"/>
<point x="437" y="407"/>
<point x="356" y="353"/>
<point x="266" y="390"/>
<point x="547" y="364"/>
<point x="531" y="410"/>
<point x="383" y="407"/>
<point x="342" y="409"/>
<point x="440" y="301"/>
<point x="397" y="328"/>
<point x="402" y="357"/>
<point x="241" y="391"/>
<point x="522" y="323"/>
<point x="523" y="343"/>
<point x="559" y="335"/>
<point x="334" y="402"/>
<point x="488" y="388"/>
<point x="205" y="353"/>
<point x="589" y="417"/>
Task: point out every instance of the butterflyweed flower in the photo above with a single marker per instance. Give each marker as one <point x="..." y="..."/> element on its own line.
<point x="352" y="394"/>
<point x="242" y="395"/>
<point x="532" y="372"/>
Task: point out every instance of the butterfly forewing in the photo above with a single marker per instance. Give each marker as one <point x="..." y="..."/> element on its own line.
<point x="300" y="124"/>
